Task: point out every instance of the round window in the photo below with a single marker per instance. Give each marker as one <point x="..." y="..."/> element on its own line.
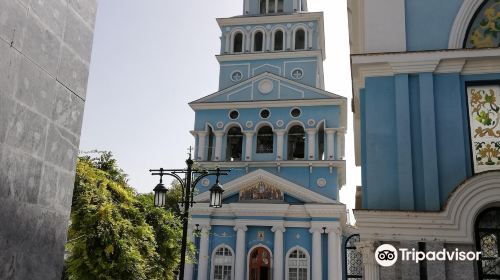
<point x="265" y="113"/>
<point x="234" y="114"/>
<point x="297" y="73"/>
<point x="295" y="112"/>
<point x="236" y="76"/>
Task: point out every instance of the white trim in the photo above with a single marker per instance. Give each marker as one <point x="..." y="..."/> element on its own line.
<point x="232" y="73"/>
<point x="296" y="117"/>
<point x="273" y="104"/>
<point x="273" y="37"/>
<point x="461" y="23"/>
<point x="264" y="65"/>
<point x="297" y="247"/>
<point x="300" y="192"/>
<point x="212" y="265"/>
<point x="306" y="30"/>
<point x="455" y="224"/>
<point x="270" y="19"/>
<point x="260" y="124"/>
<point x="269" y="55"/>
<point x="270" y="113"/>
<point x="229" y="125"/>
<point x="233" y="34"/>
<point x="271" y="259"/>
<point x="264" y="38"/>
<point x="301" y="76"/>
<point x="229" y="114"/>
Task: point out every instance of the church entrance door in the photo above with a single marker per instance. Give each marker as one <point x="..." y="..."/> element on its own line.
<point x="260" y="264"/>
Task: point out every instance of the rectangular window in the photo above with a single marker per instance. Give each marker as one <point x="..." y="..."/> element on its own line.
<point x="484" y="123"/>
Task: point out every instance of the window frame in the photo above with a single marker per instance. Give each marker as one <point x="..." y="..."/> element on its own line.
<point x="287" y="263"/>
<point x="213" y="263"/>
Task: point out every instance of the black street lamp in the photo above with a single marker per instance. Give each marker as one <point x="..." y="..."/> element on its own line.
<point x="191" y="179"/>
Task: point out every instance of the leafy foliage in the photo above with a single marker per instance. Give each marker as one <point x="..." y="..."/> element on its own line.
<point x="116" y="233"/>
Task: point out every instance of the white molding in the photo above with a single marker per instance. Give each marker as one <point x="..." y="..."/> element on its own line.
<point x="461" y="23"/>
<point x="270" y="55"/>
<point x="271" y="104"/>
<point x="455" y="224"/>
<point x="268" y="65"/>
<point x="300" y="192"/>
<point x="286" y="163"/>
<point x="296" y="17"/>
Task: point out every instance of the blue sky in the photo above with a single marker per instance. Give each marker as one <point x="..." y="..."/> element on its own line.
<point x="151" y="57"/>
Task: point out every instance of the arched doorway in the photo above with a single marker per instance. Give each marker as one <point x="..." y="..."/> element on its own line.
<point x="487" y="231"/>
<point x="259" y="266"/>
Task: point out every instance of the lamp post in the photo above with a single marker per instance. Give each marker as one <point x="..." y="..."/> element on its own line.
<point x="187" y="184"/>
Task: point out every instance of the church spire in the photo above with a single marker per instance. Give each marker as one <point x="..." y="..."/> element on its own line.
<point x="269" y="7"/>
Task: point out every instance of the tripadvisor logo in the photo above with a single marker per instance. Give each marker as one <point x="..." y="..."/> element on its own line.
<point x="387" y="255"/>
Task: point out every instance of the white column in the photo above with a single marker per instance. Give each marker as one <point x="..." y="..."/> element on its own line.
<point x="316" y="265"/>
<point x="288" y="37"/>
<point x="203" y="255"/>
<point x="228" y="42"/>
<point x="334" y="254"/>
<point x="239" y="264"/>
<point x="311" y="142"/>
<point x="330" y="147"/>
<point x="248" y="145"/>
<point x="278" y="251"/>
<point x="341" y="142"/>
<point x="202" y="136"/>
<point x="188" y="268"/>
<point x="279" y="143"/>
<point x="370" y="267"/>
<point x="218" y="145"/>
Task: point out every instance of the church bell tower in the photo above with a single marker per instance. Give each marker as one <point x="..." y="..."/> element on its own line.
<point x="273" y="124"/>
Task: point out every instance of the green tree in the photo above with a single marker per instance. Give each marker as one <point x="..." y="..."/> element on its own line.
<point x="115" y="233"/>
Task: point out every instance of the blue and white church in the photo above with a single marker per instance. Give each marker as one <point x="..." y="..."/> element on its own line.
<point x="426" y="91"/>
<point x="282" y="135"/>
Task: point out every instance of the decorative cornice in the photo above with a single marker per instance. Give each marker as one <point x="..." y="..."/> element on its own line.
<point x="318" y="54"/>
<point x="455" y="224"/>
<point x="284" y="163"/>
<point x="296" y="17"/>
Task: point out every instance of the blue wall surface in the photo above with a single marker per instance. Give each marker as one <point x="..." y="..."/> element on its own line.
<point x="415" y="139"/>
<point x="429" y="22"/>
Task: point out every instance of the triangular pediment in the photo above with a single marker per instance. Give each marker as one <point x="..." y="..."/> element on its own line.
<point x="267" y="87"/>
<point x="268" y="187"/>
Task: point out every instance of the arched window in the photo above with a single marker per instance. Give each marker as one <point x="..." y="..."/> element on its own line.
<point x="296" y="139"/>
<point x="258" y="41"/>
<point x="298" y="265"/>
<point x="211" y="138"/>
<point x="488" y="242"/>
<point x="238" y="43"/>
<point x="234" y="147"/>
<point x="278" y="40"/>
<point x="265" y="140"/>
<point x="263" y="7"/>
<point x="280" y="6"/>
<point x="222" y="262"/>
<point x="321" y="142"/>
<point x="300" y="39"/>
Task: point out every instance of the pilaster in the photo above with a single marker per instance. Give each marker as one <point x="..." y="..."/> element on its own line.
<point x="280" y="133"/>
<point x="240" y="262"/>
<point x="278" y="251"/>
<point x="203" y="255"/>
<point x="218" y="145"/>
<point x="248" y="145"/>
<point x="334" y="253"/>
<point x="316" y="260"/>
<point x="311" y="142"/>
<point x="370" y="266"/>
<point x="202" y="135"/>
